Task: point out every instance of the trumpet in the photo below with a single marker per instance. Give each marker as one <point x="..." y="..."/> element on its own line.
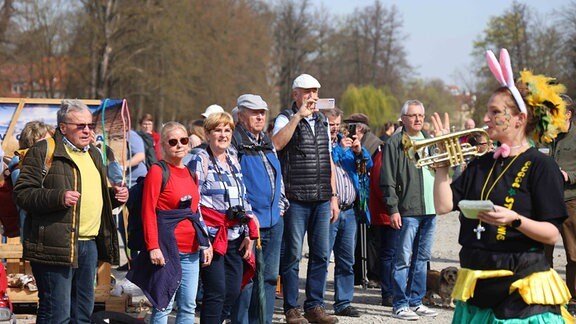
<point x="445" y="150"/>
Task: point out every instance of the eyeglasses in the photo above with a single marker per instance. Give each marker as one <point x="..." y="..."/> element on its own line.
<point x="412" y="116"/>
<point x="174" y="141"/>
<point x="81" y="126"/>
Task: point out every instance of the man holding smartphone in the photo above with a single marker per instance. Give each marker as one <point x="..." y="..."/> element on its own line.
<point x="301" y="137"/>
<point x="371" y="276"/>
<point x="348" y="156"/>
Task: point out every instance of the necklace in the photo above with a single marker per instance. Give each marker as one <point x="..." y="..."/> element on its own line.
<point x="479" y="229"/>
<point x="484" y="197"/>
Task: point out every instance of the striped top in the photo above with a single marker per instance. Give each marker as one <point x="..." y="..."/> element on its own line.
<point x="214" y="185"/>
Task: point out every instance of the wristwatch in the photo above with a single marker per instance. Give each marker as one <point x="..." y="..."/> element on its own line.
<point x="516" y="223"/>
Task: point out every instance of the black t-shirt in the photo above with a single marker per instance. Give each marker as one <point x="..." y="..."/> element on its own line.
<point x="530" y="184"/>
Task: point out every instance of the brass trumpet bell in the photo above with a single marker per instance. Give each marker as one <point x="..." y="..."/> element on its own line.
<point x="445" y="150"/>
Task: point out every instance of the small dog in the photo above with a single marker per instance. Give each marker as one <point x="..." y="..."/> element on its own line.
<point x="441" y="283"/>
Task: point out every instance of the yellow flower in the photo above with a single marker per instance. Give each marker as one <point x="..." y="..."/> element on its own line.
<point x="543" y="97"/>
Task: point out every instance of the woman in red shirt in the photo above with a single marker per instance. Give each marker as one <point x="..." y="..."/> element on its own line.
<point x="173" y="229"/>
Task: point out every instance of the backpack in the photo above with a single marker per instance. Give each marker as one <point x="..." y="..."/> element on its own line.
<point x="134" y="205"/>
<point x="149" y="150"/>
<point x="10" y="215"/>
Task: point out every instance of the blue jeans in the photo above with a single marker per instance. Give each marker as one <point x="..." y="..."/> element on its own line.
<point x="415" y="239"/>
<point x="246" y="309"/>
<point x="389" y="239"/>
<point x="313" y="217"/>
<point x="343" y="243"/>
<point x="222" y="281"/>
<point x="66" y="294"/>
<point x="185" y="295"/>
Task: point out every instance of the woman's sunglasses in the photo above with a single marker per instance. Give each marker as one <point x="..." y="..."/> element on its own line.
<point x="174" y="141"/>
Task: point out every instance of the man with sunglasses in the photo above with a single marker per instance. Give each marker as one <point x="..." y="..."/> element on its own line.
<point x="263" y="178"/>
<point x="69" y="226"/>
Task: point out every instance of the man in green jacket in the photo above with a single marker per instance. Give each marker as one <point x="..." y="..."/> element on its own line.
<point x="408" y="194"/>
<point x="69" y="226"/>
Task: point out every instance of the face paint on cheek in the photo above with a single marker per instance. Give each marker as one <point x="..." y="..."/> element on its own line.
<point x="502" y="120"/>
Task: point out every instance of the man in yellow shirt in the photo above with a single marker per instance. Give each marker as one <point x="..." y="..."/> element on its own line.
<point x="69" y="226"/>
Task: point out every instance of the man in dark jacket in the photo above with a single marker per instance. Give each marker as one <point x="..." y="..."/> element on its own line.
<point x="69" y="226"/>
<point x="263" y="178"/>
<point x="408" y="193"/>
<point x="563" y="151"/>
<point x="302" y="137"/>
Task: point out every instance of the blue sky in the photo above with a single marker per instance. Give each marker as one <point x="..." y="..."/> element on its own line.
<point x="441" y="32"/>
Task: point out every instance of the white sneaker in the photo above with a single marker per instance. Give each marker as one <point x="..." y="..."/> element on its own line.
<point x="424" y="311"/>
<point x="405" y="313"/>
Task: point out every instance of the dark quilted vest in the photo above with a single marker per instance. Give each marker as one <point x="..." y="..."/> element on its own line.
<point x="305" y="160"/>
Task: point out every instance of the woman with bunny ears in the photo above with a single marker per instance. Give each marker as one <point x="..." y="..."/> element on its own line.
<point x="504" y="276"/>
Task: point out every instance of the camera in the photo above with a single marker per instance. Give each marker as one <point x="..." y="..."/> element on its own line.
<point x="237" y="213"/>
<point x="185" y="202"/>
<point x="352" y="130"/>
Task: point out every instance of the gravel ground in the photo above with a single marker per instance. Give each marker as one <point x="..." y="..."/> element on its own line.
<point x="444" y="254"/>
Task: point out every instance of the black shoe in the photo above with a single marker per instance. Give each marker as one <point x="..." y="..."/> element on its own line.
<point x="349" y="311"/>
<point x="373" y="284"/>
<point x="387" y="301"/>
<point x="123" y="267"/>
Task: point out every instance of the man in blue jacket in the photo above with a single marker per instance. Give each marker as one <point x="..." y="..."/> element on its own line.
<point x="350" y="159"/>
<point x="263" y="178"/>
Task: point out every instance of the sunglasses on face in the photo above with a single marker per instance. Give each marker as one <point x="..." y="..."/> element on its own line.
<point x="81" y="126"/>
<point x="174" y="141"/>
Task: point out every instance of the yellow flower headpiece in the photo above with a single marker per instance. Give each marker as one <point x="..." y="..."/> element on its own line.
<point x="542" y="94"/>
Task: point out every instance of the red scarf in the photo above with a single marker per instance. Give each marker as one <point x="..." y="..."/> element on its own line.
<point x="214" y="218"/>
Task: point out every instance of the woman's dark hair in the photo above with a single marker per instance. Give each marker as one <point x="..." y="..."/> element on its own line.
<point x="146" y="117"/>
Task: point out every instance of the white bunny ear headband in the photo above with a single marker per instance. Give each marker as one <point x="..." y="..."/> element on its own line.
<point x="502" y="71"/>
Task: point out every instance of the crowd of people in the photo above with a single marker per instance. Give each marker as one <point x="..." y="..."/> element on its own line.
<point x="231" y="196"/>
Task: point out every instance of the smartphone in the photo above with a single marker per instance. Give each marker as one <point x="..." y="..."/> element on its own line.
<point x="326" y="103"/>
<point x="351" y="130"/>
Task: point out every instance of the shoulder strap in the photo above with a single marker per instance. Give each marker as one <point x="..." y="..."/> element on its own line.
<point x="165" y="173"/>
<point x="238" y="143"/>
<point x="50" y="147"/>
